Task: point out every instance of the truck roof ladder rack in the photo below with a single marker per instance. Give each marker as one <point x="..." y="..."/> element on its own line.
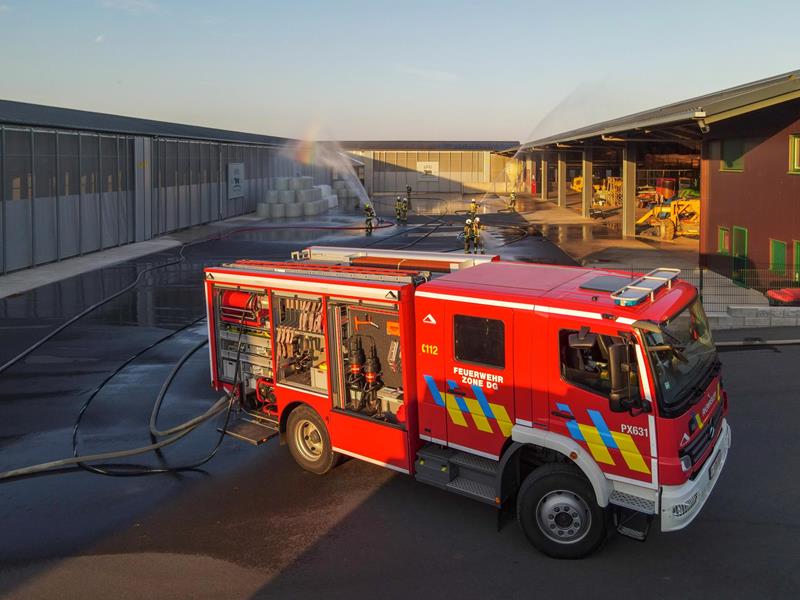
<point x="440" y="262"/>
<point x="330" y="270"/>
<point x="645" y="287"/>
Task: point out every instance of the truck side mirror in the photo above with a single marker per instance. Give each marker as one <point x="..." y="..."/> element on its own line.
<point x="624" y="396"/>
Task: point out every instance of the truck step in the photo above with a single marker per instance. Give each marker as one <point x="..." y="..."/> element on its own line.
<point x="250" y="430"/>
<point x="433" y="465"/>
<point x="473" y="489"/>
<point x="479" y="464"/>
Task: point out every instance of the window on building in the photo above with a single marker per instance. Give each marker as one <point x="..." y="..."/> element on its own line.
<point x="723" y="240"/>
<point x="732" y="155"/>
<point x="777" y="256"/>
<point x="587" y="366"/>
<point x="794" y="153"/>
<point x="480" y="341"/>
<point x="796" y="273"/>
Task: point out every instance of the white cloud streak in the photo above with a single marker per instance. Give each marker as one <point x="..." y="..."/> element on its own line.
<point x="100" y="38"/>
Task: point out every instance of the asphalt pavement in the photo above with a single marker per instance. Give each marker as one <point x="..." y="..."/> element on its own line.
<point x="250" y="523"/>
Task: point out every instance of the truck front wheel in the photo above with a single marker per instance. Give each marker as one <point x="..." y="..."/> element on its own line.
<point x="557" y="511"/>
<point x="309" y="441"/>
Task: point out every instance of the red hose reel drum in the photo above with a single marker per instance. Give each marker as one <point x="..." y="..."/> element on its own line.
<point x="241" y="308"/>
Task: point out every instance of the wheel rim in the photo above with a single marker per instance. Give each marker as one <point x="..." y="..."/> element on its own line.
<point x="308" y="440"/>
<point x="563" y="516"/>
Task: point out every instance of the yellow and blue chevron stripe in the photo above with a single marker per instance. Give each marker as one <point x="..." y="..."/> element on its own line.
<point x="601" y="440"/>
<point x="479" y="409"/>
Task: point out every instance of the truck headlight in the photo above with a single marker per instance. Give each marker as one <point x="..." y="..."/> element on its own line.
<point x="684" y="507"/>
<point x="686" y="463"/>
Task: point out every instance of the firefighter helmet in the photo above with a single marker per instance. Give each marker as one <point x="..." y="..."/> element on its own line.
<point x="469" y="221"/>
<point x="477" y="219"/>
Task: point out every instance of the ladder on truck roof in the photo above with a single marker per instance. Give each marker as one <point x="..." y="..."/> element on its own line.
<point x="332" y="270"/>
<point x="440" y="262"/>
<point x="646" y="286"/>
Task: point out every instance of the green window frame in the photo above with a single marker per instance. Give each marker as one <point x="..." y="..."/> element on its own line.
<point x="743" y="235"/>
<point x="723" y="240"/>
<point x="796" y="274"/>
<point x="732" y="155"/>
<point x="777" y="256"/>
<point x="794" y="154"/>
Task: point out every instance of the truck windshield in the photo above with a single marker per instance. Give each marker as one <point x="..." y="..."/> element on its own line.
<point x="681" y="355"/>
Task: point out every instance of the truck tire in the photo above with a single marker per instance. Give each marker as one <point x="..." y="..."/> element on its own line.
<point x="309" y="441"/>
<point x="557" y="511"/>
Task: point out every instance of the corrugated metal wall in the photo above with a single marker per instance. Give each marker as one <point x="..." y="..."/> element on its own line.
<point x="458" y="171"/>
<point x="67" y="193"/>
<point x="63" y="194"/>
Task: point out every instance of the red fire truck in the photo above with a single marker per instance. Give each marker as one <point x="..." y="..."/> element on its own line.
<point x="592" y="398"/>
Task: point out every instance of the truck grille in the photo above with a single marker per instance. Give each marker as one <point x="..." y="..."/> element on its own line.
<point x="698" y="446"/>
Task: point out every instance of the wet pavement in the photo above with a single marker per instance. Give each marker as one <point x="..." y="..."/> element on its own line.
<point x="251" y="522"/>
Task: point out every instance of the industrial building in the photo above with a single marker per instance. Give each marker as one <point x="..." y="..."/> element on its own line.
<point x="743" y="142"/>
<point x="74" y="182"/>
<point x="436" y="166"/>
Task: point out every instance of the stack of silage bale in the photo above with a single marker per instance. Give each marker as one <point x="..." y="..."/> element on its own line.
<point x="293" y="197"/>
<point x="328" y="195"/>
<point x="348" y="199"/>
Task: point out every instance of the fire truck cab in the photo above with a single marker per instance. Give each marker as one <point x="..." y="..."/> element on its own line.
<point x="589" y="397"/>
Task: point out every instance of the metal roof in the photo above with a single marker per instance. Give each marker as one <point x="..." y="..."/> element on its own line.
<point x="37" y="115"/>
<point x="707" y="108"/>
<point x="492" y="146"/>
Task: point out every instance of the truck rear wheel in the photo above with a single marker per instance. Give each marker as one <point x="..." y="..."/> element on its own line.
<point x="557" y="511"/>
<point x="309" y="441"/>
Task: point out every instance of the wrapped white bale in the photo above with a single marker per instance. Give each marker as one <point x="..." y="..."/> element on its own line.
<point x="280" y="183"/>
<point x="324" y="189"/>
<point x="286" y="196"/>
<point x="271" y="197"/>
<point x="311" y="208"/>
<point x="262" y="209"/>
<point x="295" y="183"/>
<point x="306" y="182"/>
<point x="339" y="184"/>
<point x="317" y="193"/>
<point x="277" y="211"/>
<point x="332" y="200"/>
<point x="304" y="196"/>
<point x="323" y="205"/>
<point x="294" y="210"/>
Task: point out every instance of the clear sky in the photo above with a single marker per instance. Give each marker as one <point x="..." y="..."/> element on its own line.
<point x="434" y="69"/>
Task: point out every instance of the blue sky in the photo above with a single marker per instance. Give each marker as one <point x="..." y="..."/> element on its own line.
<point x="387" y="70"/>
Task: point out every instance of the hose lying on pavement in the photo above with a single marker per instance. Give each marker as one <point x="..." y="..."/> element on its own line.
<point x="171" y="435"/>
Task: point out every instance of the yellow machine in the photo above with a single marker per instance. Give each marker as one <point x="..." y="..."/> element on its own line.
<point x="577" y="184"/>
<point x="681" y="216"/>
<point x="609" y="192"/>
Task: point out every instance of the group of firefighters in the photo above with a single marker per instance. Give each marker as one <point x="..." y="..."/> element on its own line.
<point x="473" y="228"/>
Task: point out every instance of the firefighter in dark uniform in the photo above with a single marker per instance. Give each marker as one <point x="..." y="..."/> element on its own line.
<point x="369" y="217"/>
<point x="468" y="235"/>
<point x="408" y="197"/>
<point x="512" y="202"/>
<point x="477" y="236"/>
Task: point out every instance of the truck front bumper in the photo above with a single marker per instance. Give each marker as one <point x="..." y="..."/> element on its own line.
<point x="680" y="504"/>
